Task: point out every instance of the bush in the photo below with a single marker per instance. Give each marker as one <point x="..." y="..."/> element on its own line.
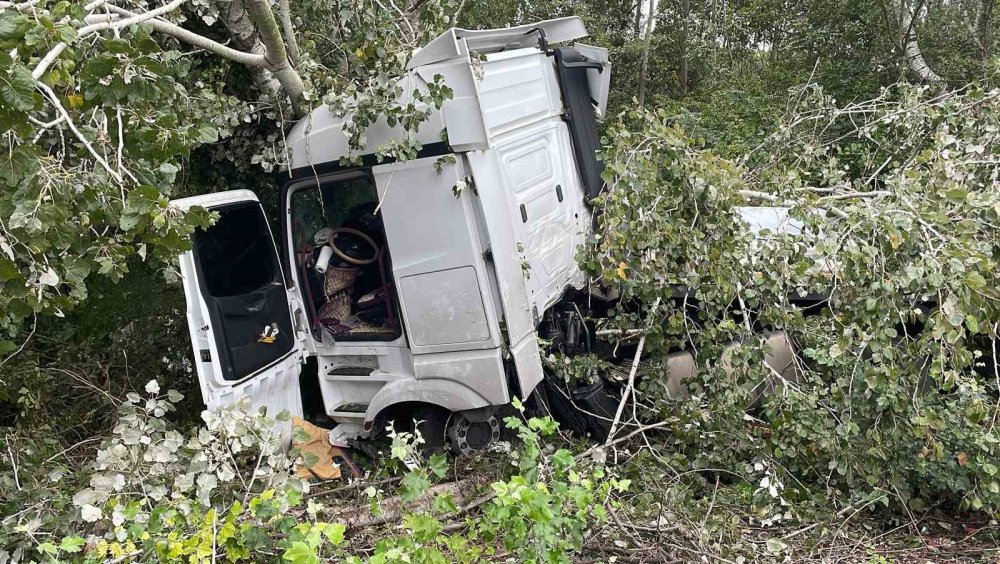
<point x="226" y="491"/>
<point x="898" y="201"/>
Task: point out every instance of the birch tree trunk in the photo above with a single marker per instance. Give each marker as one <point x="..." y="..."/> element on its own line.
<point x="645" y="51"/>
<point x="253" y="28"/>
<point x="683" y="75"/>
<point x="911" y="49"/>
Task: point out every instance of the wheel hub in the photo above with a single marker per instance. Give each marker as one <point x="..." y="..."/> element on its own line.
<point x="468" y="437"/>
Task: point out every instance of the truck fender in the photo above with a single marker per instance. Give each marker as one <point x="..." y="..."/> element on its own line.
<point x="448" y="394"/>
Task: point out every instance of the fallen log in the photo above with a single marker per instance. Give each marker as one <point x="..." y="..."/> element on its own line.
<point x="393" y="509"/>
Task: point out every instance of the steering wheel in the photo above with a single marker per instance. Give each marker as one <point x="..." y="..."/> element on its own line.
<point x="348" y="244"/>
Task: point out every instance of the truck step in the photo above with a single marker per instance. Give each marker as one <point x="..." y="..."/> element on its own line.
<point x="351" y="371"/>
<point x="354" y="408"/>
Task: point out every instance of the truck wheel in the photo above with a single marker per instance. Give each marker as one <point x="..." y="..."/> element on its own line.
<point x="469" y="437"/>
<point x="432" y="423"/>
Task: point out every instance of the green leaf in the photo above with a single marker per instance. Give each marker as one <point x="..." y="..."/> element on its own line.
<point x="48" y="548"/>
<point x="8" y="270"/>
<point x="11" y="24"/>
<point x="414" y="485"/>
<point x="300" y="553"/>
<point x="562" y="458"/>
<point x="438" y="464"/>
<point x="334" y="532"/>
<point x="975" y="280"/>
<point x="17" y="89"/>
<point x="72" y="544"/>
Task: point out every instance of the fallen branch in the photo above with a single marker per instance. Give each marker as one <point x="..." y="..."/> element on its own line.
<point x="352" y="486"/>
<point x="627" y="392"/>
<point x="643" y="429"/>
<point x="394" y="509"/>
<point x="84" y="31"/>
<point x="54" y="99"/>
<point x="199" y="41"/>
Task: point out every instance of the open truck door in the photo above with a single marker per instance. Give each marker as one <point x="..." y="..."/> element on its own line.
<point x="238" y="308"/>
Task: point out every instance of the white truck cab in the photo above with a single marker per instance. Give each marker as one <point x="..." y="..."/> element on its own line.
<point x="417" y="283"/>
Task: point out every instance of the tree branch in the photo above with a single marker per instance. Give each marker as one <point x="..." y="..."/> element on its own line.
<point x="628" y="390"/>
<point x="273" y="57"/>
<point x="18" y="6"/>
<point x="286" y="25"/>
<point x="200" y="41"/>
<point x="54" y="99"/>
<point x="84" y="31"/>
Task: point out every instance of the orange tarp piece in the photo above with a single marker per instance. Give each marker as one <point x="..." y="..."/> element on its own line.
<point x="309" y="439"/>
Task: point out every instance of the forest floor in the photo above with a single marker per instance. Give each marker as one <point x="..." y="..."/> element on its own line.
<point x="935" y="536"/>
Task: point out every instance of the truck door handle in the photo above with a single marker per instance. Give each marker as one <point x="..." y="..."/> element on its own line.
<point x="524" y="214"/>
<point x="559" y="192"/>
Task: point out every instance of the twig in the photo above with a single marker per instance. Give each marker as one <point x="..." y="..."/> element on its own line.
<point x="71" y="447"/>
<point x="628" y="390"/>
<point x="352" y="486"/>
<point x="34" y="324"/>
<point x="54" y="99"/>
<point x="13" y="465"/>
<point x="620" y="440"/>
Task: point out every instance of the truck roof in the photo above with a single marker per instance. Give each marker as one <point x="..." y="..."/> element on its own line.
<point x="319" y="137"/>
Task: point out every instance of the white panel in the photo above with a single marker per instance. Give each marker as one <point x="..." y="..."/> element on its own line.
<point x="517" y="88"/>
<point x="500" y="216"/>
<point x="482" y="371"/>
<point x="437" y="258"/>
<point x="599" y="82"/>
<point x="529" y="165"/>
<point x="445" y="307"/>
<point x="456" y="41"/>
<point x="527" y="358"/>
<point x="536" y="160"/>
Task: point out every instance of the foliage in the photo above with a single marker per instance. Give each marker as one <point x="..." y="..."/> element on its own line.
<point x="545" y="509"/>
<point x="896" y="194"/>
<point x="366" y="56"/>
<point x="95" y="144"/>
<point x="897" y="202"/>
<point x="225" y="491"/>
<point x="81" y="196"/>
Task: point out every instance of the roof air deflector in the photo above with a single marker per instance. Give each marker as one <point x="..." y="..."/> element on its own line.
<point x="448" y="45"/>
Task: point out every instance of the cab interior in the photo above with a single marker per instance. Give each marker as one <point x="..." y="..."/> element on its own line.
<point x="342" y="257"/>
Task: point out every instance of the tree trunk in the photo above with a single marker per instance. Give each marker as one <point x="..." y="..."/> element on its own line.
<point x="981" y="28"/>
<point x="911" y="49"/>
<point x="244" y="37"/>
<point x="637" y="23"/>
<point x="645" y="52"/>
<point x="683" y="75"/>
<point x="252" y="26"/>
<point x="276" y="55"/>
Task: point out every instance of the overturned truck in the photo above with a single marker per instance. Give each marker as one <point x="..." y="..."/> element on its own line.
<point x="393" y="293"/>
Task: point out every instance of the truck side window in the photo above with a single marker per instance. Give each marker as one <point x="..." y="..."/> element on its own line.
<point x="238" y="248"/>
